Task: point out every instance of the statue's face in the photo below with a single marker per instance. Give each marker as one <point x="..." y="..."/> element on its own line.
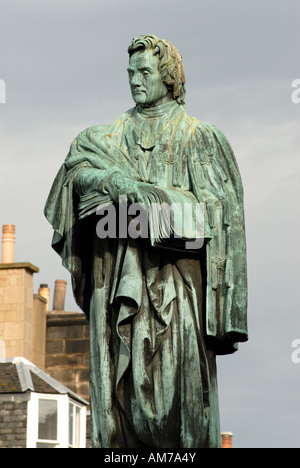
<point x="146" y="85"/>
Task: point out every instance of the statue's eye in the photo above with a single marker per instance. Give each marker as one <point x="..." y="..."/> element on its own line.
<point x="145" y="73"/>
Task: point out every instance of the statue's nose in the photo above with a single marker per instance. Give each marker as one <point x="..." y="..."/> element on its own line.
<point x="136" y="80"/>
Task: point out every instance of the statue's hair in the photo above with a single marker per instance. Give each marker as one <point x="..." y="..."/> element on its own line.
<point x="170" y="62"/>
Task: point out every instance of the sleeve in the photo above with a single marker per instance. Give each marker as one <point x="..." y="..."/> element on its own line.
<point x="89" y="179"/>
<point x="217" y="183"/>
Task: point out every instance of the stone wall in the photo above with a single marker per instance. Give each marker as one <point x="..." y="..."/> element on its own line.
<point x="68" y="350"/>
<point x="16" y="309"/>
<point x="67" y="357"/>
<point x="39" y="331"/>
<point x="13" y="423"/>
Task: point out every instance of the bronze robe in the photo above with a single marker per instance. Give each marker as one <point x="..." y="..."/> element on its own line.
<point x="157" y="317"/>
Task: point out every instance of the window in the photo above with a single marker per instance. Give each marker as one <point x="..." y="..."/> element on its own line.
<point x="47" y="423"/>
<point x="74" y="425"/>
<point x="55" y="421"/>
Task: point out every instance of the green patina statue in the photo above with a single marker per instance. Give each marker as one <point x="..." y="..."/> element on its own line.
<point x="158" y="315"/>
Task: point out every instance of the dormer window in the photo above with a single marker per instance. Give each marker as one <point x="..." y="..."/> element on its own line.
<point x="55" y="421"/>
<point x="42" y="412"/>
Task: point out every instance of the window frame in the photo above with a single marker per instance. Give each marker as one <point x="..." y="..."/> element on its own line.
<point x="63" y="404"/>
<point x="77" y="432"/>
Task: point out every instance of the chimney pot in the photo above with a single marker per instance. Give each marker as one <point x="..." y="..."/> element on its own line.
<point x="59" y="295"/>
<point x="8" y="243"/>
<point x="45" y="293"/>
<point x="226" y="439"/>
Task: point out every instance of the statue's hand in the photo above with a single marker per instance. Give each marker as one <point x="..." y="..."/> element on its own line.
<point x="121" y="188"/>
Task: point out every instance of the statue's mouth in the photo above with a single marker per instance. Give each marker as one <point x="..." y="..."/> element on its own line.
<point x="138" y="91"/>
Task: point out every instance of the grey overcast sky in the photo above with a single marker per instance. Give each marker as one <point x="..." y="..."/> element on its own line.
<point x="64" y="64"/>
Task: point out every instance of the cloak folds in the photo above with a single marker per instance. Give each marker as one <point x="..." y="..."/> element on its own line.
<point x="157" y="317"/>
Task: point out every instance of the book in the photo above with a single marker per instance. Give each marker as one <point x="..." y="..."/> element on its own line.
<point x="170" y="218"/>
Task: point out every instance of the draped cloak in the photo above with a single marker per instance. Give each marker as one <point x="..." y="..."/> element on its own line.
<point x="157" y="317"/>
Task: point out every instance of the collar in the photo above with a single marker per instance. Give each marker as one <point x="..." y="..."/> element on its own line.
<point x="157" y="111"/>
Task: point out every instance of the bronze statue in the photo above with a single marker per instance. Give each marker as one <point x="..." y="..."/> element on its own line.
<point x="159" y="313"/>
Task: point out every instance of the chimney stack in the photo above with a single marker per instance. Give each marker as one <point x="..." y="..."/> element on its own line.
<point x="226" y="439"/>
<point x="8" y="243"/>
<point x="59" y="295"/>
<point x="45" y="293"/>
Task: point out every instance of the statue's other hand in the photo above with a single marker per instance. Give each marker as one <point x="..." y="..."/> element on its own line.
<point x="123" y="189"/>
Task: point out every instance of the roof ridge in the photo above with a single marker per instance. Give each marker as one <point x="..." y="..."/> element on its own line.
<point x="24" y="369"/>
<point x="24" y="376"/>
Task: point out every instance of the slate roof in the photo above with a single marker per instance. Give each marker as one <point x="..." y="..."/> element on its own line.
<point x="9" y="380"/>
<point x="18" y="375"/>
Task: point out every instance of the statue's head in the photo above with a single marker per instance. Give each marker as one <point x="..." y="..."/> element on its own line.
<point x="160" y="56"/>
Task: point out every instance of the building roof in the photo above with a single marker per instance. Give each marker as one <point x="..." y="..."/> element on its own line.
<point x="18" y="375"/>
<point x="24" y="265"/>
